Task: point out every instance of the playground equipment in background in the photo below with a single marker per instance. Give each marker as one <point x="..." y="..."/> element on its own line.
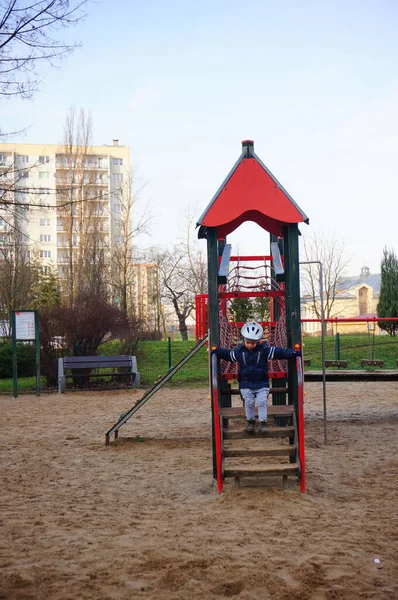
<point x="336" y="361"/>
<point x="251" y="193"/>
<point x="371" y="362"/>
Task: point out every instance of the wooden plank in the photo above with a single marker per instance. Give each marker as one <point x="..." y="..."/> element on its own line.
<point x="262" y="471"/>
<point x="272" y="432"/>
<point x="273" y="390"/>
<point x="372" y="363"/>
<point x="336" y="363"/>
<point x="280" y="410"/>
<point x="246" y="452"/>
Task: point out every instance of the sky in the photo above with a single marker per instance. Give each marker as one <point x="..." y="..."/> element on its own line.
<point x="182" y="83"/>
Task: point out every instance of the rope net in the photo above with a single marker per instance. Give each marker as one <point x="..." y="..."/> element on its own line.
<point x="248" y="278"/>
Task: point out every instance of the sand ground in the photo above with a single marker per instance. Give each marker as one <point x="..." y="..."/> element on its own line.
<point x="142" y="519"/>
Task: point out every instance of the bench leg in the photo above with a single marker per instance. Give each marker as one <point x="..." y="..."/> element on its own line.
<point x="61" y="385"/>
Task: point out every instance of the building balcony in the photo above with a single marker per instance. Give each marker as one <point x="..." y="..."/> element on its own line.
<point x="94" y="166"/>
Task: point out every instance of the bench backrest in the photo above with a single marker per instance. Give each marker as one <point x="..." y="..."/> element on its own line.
<point x="97" y="362"/>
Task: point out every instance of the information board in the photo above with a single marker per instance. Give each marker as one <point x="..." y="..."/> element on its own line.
<point x="25" y="325"/>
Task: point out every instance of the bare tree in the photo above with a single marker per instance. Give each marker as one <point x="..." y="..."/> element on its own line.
<point x="330" y="251"/>
<point x="182" y="275"/>
<point x="81" y="203"/>
<point x="196" y="256"/>
<point x="18" y="273"/>
<point x="175" y="286"/>
<point x="29" y="36"/>
<point x="129" y="225"/>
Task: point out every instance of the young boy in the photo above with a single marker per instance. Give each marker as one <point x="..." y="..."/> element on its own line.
<point x="253" y="356"/>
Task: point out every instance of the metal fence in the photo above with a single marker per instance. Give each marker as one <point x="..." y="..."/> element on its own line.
<point x="156" y="358"/>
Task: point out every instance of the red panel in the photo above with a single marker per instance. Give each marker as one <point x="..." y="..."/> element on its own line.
<point x="251" y="195"/>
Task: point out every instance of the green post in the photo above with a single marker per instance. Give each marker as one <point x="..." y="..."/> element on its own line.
<point x="225" y="390"/>
<point x="14" y="357"/>
<point x="169" y="351"/>
<point x="277" y="399"/>
<point x="293" y="323"/>
<point x="37" y="352"/>
<point x="338" y="346"/>
<point x="214" y="338"/>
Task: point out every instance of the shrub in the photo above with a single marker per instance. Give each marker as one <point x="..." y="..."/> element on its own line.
<point x="25" y="359"/>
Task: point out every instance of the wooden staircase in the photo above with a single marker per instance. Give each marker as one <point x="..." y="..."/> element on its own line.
<point x="273" y="454"/>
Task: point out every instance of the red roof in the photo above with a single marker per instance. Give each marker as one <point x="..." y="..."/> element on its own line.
<point x="250" y="193"/>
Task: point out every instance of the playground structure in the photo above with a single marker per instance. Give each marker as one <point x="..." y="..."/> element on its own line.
<point x="251" y="193"/>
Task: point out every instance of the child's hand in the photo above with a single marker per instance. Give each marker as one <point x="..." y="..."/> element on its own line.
<point x="298" y="353"/>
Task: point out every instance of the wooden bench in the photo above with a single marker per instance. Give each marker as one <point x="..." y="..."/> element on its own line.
<point x="86" y="364"/>
<point x="372" y="363"/>
<point x="307" y="362"/>
<point x="336" y="363"/>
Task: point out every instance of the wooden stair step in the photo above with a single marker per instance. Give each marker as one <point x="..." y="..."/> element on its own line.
<point x="236" y="412"/>
<point x="262" y="471"/>
<point x="272" y="432"/>
<point x="277" y="451"/>
<point x="272" y="390"/>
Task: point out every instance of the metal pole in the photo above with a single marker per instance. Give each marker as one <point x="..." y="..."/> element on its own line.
<point x="317" y="262"/>
<point x="169" y="351"/>
<point x="37" y="352"/>
<point x="14" y="356"/>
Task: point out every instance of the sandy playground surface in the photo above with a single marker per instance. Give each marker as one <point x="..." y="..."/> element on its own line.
<point x="142" y="519"/>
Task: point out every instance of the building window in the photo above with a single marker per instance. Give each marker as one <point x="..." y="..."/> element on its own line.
<point x="45" y="237"/>
<point x="24" y="159"/>
<point x="117" y="176"/>
<point x="118" y="208"/>
<point x="44" y="175"/>
<point x="45" y="270"/>
<point x="24" y="174"/>
<point x="44" y="159"/>
<point x="3" y="224"/>
<point x="44" y="191"/>
<point x="117" y="162"/>
<point x="3" y="159"/>
<point x="45" y="253"/>
<point x="44" y="222"/>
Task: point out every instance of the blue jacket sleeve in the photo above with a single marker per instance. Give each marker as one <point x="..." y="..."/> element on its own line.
<point x="276" y="353"/>
<point x="226" y="354"/>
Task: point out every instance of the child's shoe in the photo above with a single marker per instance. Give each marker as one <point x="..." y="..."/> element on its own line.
<point x="263" y="427"/>
<point x="250" y="426"/>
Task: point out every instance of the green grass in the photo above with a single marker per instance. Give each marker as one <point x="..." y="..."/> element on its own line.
<point x="153" y="360"/>
<point x="353" y="349"/>
<point x="25" y="384"/>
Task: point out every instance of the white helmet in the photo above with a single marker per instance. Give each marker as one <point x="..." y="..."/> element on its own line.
<point x="252" y="331"/>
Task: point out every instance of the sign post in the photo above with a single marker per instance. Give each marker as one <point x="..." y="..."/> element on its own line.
<point x="25" y="328"/>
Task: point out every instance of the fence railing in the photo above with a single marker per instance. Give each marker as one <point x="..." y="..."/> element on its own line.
<point x="156" y="358"/>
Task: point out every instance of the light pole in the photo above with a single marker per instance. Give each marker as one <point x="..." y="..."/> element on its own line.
<point x="317" y="262"/>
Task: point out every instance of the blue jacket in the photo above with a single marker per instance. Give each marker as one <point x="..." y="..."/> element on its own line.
<point x="253" y="364"/>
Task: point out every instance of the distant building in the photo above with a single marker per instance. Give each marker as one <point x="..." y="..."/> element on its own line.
<point x="37" y="177"/>
<point x="357" y="296"/>
<point x="146" y="296"/>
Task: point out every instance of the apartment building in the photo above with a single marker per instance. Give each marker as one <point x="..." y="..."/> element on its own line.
<point x="145" y="291"/>
<point x="41" y="185"/>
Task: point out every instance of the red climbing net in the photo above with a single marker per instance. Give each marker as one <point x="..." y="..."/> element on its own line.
<point x="254" y="279"/>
